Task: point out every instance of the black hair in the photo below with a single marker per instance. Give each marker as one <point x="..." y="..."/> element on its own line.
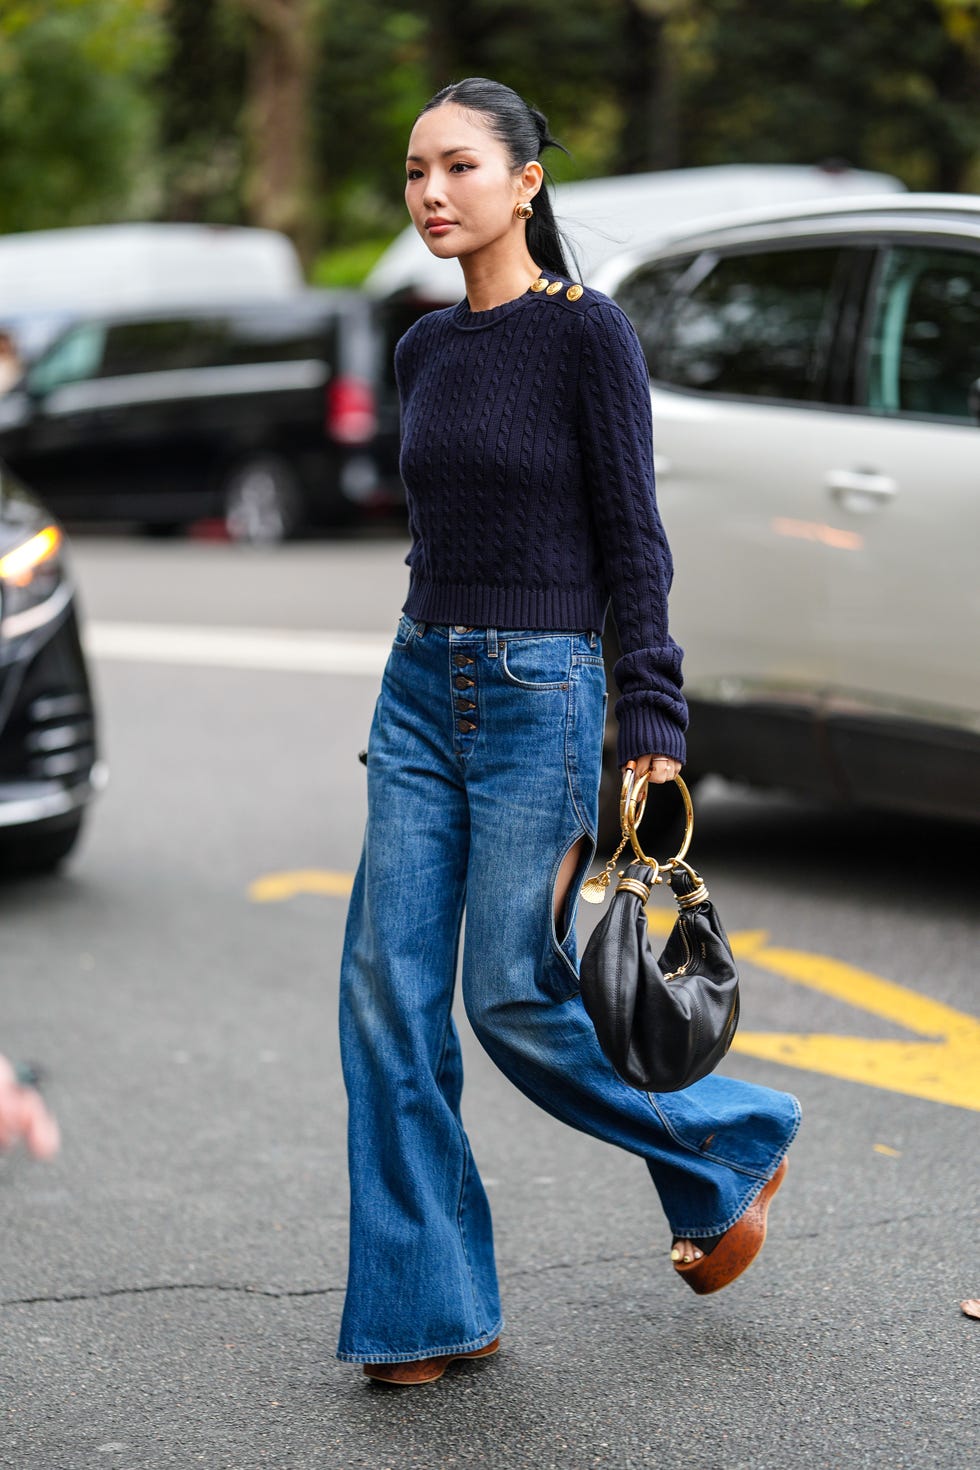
<point x="524" y="132"/>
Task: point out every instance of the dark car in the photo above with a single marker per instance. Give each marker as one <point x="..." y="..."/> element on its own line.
<point x="49" y="766"/>
<point x="261" y="414"/>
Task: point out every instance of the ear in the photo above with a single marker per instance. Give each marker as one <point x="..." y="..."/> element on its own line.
<point x="531" y="179"/>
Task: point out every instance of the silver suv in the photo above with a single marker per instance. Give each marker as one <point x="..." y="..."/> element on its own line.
<point x="815" y="376"/>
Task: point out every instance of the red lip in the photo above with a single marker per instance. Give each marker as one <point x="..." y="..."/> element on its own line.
<point x="435" y="222"/>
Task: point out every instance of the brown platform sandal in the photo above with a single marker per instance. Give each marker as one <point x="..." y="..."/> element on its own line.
<point x="423" y="1370"/>
<point x="737" y="1248"/>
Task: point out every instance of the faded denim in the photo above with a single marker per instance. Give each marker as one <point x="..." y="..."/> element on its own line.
<point x="483" y="770"/>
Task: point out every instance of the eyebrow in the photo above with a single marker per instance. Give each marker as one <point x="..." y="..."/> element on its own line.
<point x="446" y="153"/>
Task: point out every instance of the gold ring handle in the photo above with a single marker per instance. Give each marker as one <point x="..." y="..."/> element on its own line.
<point x="632" y="807"/>
<point x="628" y="797"/>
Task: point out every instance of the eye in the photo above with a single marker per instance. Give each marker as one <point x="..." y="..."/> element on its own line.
<point x="461" y="165"/>
<point x="413" y="173"/>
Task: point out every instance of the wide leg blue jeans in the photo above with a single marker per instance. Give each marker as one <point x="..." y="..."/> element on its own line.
<point x="483" y="771"/>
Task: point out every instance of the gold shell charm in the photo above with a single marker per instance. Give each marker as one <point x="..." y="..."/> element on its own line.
<point x="554" y="288"/>
<point x="574" y="292"/>
<point x="540" y="284"/>
<point x="594" y="889"/>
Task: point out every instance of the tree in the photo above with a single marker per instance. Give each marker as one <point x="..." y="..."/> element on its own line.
<point x="278" y="174"/>
<point x="76" y="123"/>
<point x="888" y="84"/>
<point x="199" y="95"/>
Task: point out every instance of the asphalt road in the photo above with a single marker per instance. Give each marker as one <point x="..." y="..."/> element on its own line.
<point x="171" y="1285"/>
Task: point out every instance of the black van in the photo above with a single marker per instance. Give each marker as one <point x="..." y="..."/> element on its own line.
<point x="264" y="415"/>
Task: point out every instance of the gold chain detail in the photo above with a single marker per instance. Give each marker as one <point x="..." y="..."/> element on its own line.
<point x="594" y="889"/>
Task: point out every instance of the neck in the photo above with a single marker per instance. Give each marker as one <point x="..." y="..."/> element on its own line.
<point x="492" y="282"/>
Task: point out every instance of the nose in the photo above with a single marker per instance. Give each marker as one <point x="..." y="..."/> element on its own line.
<point x="432" y="198"/>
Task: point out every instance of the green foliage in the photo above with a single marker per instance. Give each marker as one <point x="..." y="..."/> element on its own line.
<point x="348" y="265"/>
<point x="76" y="127"/>
<point x="134" y="108"/>
<point x="888" y="84"/>
<point x="199" y="95"/>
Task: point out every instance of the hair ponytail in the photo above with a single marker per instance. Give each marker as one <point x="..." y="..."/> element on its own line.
<point x="523" y="130"/>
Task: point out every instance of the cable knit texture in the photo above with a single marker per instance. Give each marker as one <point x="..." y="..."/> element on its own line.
<point x="527" y="456"/>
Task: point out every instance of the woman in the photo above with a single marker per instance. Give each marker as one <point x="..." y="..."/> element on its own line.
<point x="527" y="457"/>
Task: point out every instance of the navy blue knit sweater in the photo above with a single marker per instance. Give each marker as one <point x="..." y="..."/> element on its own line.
<point x="527" y="456"/>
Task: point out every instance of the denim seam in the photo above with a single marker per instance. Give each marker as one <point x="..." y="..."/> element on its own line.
<point x="461" y="1132"/>
<point x="483" y="1340"/>
<point x="703" y="1153"/>
<point x="460" y="1225"/>
<point x="571" y="773"/>
<point x="757" y="1181"/>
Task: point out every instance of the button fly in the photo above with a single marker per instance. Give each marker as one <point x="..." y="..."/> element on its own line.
<point x="461" y="659"/>
<point x="458" y="628"/>
<point x="462" y="682"/>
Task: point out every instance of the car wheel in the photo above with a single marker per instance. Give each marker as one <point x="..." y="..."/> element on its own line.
<point x="262" y="501"/>
<point x="39" y="852"/>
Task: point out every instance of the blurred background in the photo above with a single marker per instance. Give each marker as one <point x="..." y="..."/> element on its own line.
<point x="293" y="114"/>
<point x="204" y="267"/>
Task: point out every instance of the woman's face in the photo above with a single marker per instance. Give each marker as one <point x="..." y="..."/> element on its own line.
<point x="457" y="171"/>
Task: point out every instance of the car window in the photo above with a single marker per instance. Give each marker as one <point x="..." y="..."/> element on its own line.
<point x="281" y="337"/>
<point x="758" y="324"/>
<point x="159" y="346"/>
<point x="73" y="358"/>
<point x="644" y="297"/>
<point x="924" y="344"/>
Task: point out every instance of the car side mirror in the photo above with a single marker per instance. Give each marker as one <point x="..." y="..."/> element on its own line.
<point x="973" y="399"/>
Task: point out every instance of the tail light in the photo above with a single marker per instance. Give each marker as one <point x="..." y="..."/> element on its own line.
<point x="351" y="416"/>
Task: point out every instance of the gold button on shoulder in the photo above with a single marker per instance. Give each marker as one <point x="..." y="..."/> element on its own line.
<point x="554" y="288"/>
<point x="539" y="285"/>
<point x="574" y="292"/>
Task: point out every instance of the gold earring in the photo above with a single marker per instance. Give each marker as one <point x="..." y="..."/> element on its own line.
<point x="523" y="211"/>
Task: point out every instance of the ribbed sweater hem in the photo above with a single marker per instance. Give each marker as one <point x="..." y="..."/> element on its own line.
<point x="564" y="609"/>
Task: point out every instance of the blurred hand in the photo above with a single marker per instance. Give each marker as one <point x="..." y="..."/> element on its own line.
<point x="661" y="768"/>
<point x="24" y="1117"/>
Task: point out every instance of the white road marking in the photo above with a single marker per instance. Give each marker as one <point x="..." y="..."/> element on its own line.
<point x="239" y="648"/>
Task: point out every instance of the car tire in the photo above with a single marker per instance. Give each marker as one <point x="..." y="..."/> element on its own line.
<point x="262" y="501"/>
<point x="41" y="851"/>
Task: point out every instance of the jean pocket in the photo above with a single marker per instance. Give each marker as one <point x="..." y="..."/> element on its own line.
<point x="537" y="663"/>
<point x="405" y="632"/>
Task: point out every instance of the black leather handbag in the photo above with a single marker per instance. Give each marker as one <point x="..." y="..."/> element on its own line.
<point x="663" y="1023"/>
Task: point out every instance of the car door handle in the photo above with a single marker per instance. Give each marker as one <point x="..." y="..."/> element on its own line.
<point x="859" y="490"/>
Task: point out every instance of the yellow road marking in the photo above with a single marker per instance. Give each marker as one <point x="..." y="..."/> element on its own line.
<point x="944" y="1068"/>
<point x="891" y="1153"/>
<point x="276" y="887"/>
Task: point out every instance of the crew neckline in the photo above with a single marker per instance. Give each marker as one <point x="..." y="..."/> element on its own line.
<point x="469" y="320"/>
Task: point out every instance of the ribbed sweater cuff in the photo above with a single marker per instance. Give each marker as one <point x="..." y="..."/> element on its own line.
<point x="645" y="730"/>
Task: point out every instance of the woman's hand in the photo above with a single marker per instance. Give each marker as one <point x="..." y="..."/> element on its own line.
<point x="660" y="768"/>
